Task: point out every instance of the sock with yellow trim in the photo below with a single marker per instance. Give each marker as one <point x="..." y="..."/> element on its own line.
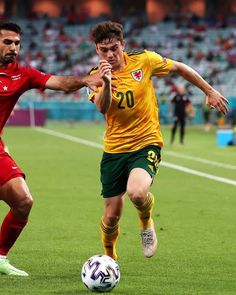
<point x="145" y="211"/>
<point x="109" y="236"/>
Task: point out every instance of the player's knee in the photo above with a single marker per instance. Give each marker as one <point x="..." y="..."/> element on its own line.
<point x="23" y="207"/>
<point x="111" y="219"/>
<point x="137" y="195"/>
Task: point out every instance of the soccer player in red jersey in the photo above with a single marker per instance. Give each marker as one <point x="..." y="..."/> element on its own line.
<point x="14" y="81"/>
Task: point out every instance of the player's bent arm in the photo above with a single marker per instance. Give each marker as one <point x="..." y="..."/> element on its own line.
<point x="72" y="83"/>
<point x="213" y="97"/>
<point x="104" y="97"/>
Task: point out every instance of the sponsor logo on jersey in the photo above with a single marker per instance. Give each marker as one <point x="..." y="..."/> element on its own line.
<point x="16" y="77"/>
<point x="137" y="75"/>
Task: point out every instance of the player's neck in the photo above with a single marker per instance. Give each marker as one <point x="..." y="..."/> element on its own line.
<point x="3" y="65"/>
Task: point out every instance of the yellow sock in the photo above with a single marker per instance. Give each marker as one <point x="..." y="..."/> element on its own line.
<point x="145" y="211"/>
<point x="109" y="236"/>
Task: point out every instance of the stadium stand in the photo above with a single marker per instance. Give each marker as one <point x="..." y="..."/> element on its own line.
<point x="52" y="45"/>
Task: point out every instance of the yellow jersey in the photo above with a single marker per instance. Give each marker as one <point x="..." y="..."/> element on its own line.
<point x="132" y="119"/>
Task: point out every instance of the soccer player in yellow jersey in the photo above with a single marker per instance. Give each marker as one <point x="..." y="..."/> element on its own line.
<point x="133" y="140"/>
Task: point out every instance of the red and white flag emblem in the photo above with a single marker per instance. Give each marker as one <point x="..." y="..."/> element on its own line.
<point x="137" y="75"/>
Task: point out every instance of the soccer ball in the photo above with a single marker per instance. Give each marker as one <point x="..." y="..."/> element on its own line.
<point x="100" y="273"/>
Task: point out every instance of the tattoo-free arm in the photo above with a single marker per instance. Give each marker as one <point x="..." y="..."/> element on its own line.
<point x="104" y="97"/>
<point x="72" y="83"/>
<point x="214" y="99"/>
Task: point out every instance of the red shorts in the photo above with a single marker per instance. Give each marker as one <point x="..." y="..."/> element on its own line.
<point x="8" y="167"/>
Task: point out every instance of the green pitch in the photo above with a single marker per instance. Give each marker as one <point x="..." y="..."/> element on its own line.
<point x="195" y="216"/>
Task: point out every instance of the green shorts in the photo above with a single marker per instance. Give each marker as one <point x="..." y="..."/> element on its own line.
<point x="115" y="168"/>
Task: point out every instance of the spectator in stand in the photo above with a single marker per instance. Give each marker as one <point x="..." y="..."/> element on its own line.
<point x="72" y="16"/>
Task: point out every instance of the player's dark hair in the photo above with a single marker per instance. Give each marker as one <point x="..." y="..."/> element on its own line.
<point x="107" y="30"/>
<point x="9" y="26"/>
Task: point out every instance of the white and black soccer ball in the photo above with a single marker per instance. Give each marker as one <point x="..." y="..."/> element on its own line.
<point x="100" y="273"/>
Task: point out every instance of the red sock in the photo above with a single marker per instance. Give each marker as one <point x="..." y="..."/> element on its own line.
<point x="10" y="230"/>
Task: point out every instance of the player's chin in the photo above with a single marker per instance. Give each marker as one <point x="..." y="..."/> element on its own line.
<point x="9" y="58"/>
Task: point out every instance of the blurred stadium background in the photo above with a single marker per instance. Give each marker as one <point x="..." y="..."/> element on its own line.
<point x="201" y="33"/>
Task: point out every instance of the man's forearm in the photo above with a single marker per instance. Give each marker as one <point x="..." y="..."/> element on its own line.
<point x="104" y="98"/>
<point x="72" y="83"/>
<point x="65" y="83"/>
<point x="192" y="76"/>
<point x="214" y="99"/>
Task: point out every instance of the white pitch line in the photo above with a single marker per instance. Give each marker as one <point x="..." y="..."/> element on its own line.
<point x="196" y="159"/>
<point x="69" y="137"/>
<point x="198" y="173"/>
<point x="163" y="163"/>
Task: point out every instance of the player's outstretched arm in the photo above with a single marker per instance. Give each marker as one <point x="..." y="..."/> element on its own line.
<point x="72" y="83"/>
<point x="214" y="99"/>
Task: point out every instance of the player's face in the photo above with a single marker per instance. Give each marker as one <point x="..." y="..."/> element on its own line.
<point x="112" y="51"/>
<point x="9" y="47"/>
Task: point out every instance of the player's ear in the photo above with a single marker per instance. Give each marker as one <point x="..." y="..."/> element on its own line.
<point x="123" y="43"/>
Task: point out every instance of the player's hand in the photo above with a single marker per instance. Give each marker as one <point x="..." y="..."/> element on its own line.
<point x="104" y="70"/>
<point x="105" y="73"/>
<point x="215" y="100"/>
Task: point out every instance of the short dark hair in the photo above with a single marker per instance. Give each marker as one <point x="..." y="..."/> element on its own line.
<point x="9" y="26"/>
<point x="107" y="30"/>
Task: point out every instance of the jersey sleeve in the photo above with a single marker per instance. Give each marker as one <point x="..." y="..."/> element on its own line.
<point x="91" y="94"/>
<point x="160" y="66"/>
<point x="37" y="79"/>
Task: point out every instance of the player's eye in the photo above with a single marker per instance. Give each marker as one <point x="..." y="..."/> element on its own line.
<point x="7" y="42"/>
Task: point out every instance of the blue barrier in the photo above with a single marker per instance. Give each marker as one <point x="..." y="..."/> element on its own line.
<point x="59" y="110"/>
<point x="224" y="137"/>
<point x="86" y="111"/>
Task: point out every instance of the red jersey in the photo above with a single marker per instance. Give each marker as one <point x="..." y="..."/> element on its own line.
<point x="14" y="81"/>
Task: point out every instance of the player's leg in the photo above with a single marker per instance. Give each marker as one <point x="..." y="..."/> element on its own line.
<point x="114" y="180"/>
<point x="138" y="186"/>
<point x="182" y="130"/>
<point x="138" y="191"/>
<point x="173" y="130"/>
<point x="113" y="208"/>
<point x="16" y="194"/>
<point x="142" y="170"/>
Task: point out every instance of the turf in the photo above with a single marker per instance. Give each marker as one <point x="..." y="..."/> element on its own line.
<point x="195" y="218"/>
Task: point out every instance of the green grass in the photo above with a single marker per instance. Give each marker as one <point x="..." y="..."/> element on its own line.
<point x="195" y="218"/>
